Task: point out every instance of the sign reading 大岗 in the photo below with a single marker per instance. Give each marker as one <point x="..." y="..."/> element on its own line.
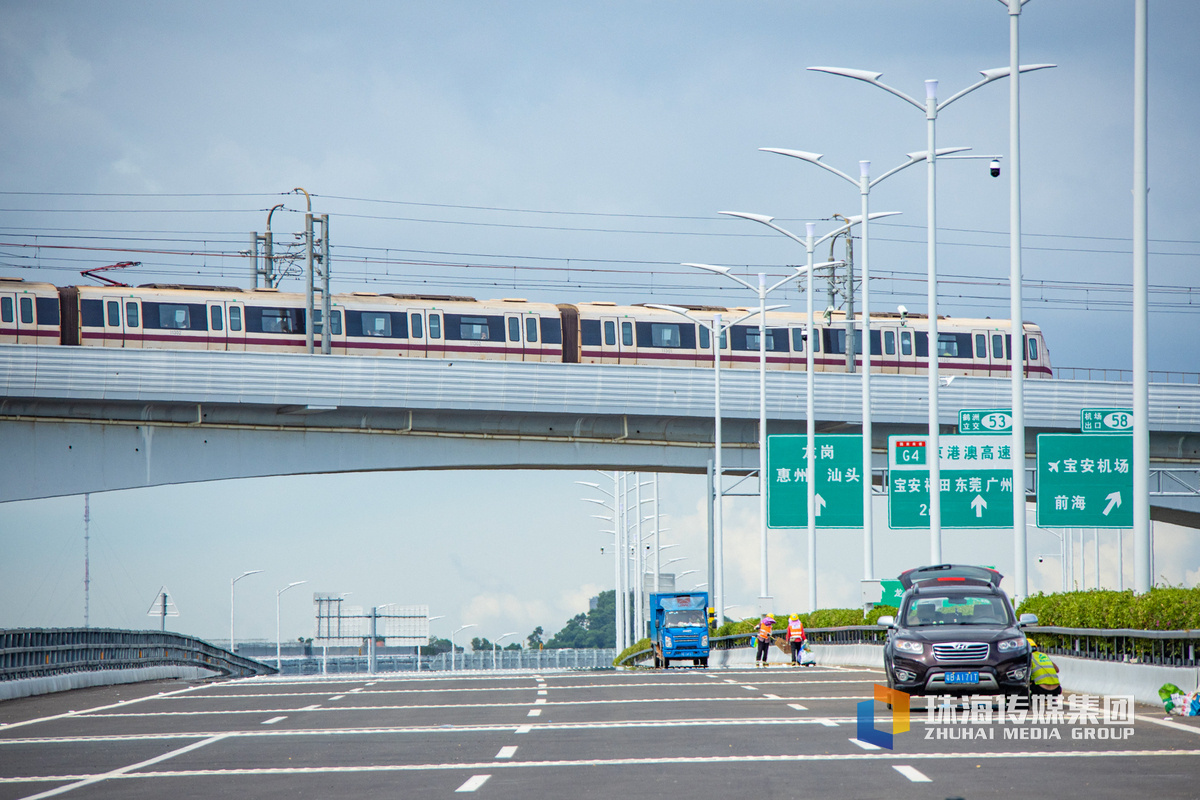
<point x="1084" y="480"/>
<point x="1105" y="420"/>
<point x="838" y="488"/>
<point x="976" y="477"/>
<point x="985" y="420"/>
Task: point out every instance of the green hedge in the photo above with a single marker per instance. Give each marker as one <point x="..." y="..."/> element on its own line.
<point x="821" y="618"/>
<point x="1160" y="609"/>
<point x="636" y="647"/>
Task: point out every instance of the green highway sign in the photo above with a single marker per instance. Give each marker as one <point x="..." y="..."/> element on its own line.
<point x="1106" y="420"/>
<point x="892" y="592"/>
<point x="985" y="420"/>
<point x="1084" y="480"/>
<point x="838" y="487"/>
<point x="977" y="485"/>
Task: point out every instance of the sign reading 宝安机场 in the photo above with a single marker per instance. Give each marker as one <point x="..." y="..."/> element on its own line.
<point x="1084" y="480"/>
<point x="838" y="488"/>
<point x="976" y="478"/>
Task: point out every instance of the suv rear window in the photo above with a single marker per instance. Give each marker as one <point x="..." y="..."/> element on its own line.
<point x="957" y="609"/>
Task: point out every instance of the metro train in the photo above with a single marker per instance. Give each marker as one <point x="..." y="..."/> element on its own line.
<point x="164" y="316"/>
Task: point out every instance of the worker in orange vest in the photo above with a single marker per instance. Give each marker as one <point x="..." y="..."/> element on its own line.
<point x="764" y="640"/>
<point x="796" y="637"/>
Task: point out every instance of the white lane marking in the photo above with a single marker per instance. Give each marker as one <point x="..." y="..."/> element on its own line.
<point x="473" y="783"/>
<point x="912" y="773"/>
<point x="751" y="688"/>
<point x="540" y="701"/>
<point x="771" y="696"/>
<point x="117" y="773"/>
<point x="797" y="706"/>
<point x="372" y="683"/>
<point x="359" y="689"/>
<point x="541" y="691"/>
<point x="1168" y="723"/>
<point x="507" y="752"/>
<point x="727" y="680"/>
<point x="865" y="745"/>
<point x="534" y="712"/>
<point x="83" y="711"/>
<point x="273" y="720"/>
<point x="336" y="697"/>
<point x="311" y="708"/>
<point x="828" y="723"/>
<point x="524" y="729"/>
<point x="126" y="774"/>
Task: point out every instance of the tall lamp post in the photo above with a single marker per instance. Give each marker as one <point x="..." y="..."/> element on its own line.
<point x="278" y="643"/>
<point x="716" y="331"/>
<point x="932" y="107"/>
<point x="810" y="362"/>
<point x="496" y="645"/>
<point x="431" y="619"/>
<point x="619" y="576"/>
<point x="764" y="599"/>
<point x="233" y="583"/>
<point x="452" y="652"/>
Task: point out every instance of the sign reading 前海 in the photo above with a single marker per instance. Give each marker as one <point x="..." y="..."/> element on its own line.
<point x="976" y="481"/>
<point x="838" y="488"/>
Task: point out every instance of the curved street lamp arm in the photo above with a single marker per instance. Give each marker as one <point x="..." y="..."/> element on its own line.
<point x="722" y="271"/>
<point x="812" y="158"/>
<point x="868" y="77"/>
<point x="990" y="75"/>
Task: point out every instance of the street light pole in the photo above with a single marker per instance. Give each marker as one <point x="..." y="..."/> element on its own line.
<point x="431" y="619"/>
<point x="278" y="643"/>
<point x="496" y="645"/>
<point x="453" y="655"/>
<point x="232" y="583"/>
<point x="931" y="107"/>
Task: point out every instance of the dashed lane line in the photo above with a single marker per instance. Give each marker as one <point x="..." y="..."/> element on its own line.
<point x="507" y="752"/>
<point x="22" y="723"/>
<point x="128" y="773"/>
<point x="534" y="712"/>
<point x="523" y="729"/>
<point x="337" y="697"/>
<point x="376" y="692"/>
<point x="473" y="783"/>
<point x="865" y="745"/>
<point x="772" y="696"/>
<point x="912" y="773"/>
<point x="797" y="706"/>
<point x="273" y="720"/>
<point x="1168" y="723"/>
<point x="542" y="692"/>
<point x="313" y="707"/>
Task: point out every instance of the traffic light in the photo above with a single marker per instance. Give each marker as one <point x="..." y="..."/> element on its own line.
<point x="712" y="618"/>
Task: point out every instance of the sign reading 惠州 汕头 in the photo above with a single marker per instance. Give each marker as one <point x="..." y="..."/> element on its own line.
<point x="838" y="487"/>
<point x="976" y="481"/>
<point x="985" y="420"/>
<point x="1084" y="480"/>
<point x="1105" y="420"/>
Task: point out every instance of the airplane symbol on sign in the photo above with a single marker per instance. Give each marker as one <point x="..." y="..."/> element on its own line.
<point x="1053" y="465"/>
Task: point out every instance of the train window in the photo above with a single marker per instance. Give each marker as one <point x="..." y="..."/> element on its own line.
<point x="514" y="329"/>
<point x="47" y="310"/>
<point x="798" y="339"/>
<point x="335" y="322"/>
<point x="889" y="343"/>
<point x="379" y="323"/>
<point x="174" y="316"/>
<point x="435" y="326"/>
<point x="217" y="318"/>
<point x="705" y="338"/>
<point x="476" y="329"/>
<point x="91" y="314"/>
<point x="235" y="318"/>
<point x="417" y="331"/>
<point x="610" y="332"/>
<point x="1033" y="349"/>
<point x="627" y="334"/>
<point x="954" y="345"/>
<point x="922" y="339"/>
<point x="589" y="332"/>
<point x="271" y="320"/>
<point x="531" y="329"/>
<point x="551" y="330"/>
<point x="131" y="314"/>
<point x="113" y="309"/>
<point x="745" y="337"/>
<point x="981" y="345"/>
<point x="816" y="344"/>
<point x="26" y="310"/>
<point x="906" y="343"/>
<point x="6" y="309"/>
<point x="666" y="334"/>
<point x="998" y="346"/>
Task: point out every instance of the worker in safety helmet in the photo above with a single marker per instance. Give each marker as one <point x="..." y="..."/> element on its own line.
<point x="796" y="637"/>
<point x="763" y="640"/>
<point x="1044" y="675"/>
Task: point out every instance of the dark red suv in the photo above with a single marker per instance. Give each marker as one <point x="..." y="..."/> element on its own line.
<point x="956" y="634"/>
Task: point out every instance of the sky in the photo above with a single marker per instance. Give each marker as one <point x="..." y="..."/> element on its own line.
<point x="559" y="152"/>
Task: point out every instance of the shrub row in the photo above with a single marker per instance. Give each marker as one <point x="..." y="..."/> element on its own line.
<point x="1160" y="609"/>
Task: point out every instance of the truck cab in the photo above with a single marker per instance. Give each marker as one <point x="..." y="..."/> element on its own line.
<point x="679" y="627"/>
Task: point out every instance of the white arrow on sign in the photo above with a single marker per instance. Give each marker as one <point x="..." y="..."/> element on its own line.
<point x="1113" y="499"/>
<point x="979" y="504"/>
<point x="819" y="502"/>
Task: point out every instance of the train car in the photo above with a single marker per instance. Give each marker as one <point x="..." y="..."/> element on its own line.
<point x="29" y="312"/>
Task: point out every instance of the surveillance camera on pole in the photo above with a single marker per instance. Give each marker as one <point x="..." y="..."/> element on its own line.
<point x="994" y="167"/>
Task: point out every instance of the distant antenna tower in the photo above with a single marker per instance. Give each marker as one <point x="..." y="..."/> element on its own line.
<point x="87" y="564"/>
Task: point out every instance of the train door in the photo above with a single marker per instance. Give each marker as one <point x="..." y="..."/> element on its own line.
<point x="533" y="336"/>
<point x="114" y="328"/>
<point x="889" y="359"/>
<point x="610" y="340"/>
<point x="435" y="344"/>
<point x="235" y="326"/>
<point x="416" y="334"/>
<point x="9" y="327"/>
<point x="216" y="325"/>
<point x="514" y="347"/>
<point x="133" y="323"/>
<point x="982" y="354"/>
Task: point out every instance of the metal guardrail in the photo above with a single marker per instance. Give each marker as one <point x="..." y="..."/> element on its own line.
<point x="1122" y="375"/>
<point x="850" y="634"/>
<point x="41" y="652"/>
<point x="481" y="660"/>
<point x="1161" y="648"/>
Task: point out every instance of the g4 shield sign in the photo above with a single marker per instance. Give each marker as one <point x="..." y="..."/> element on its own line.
<point x="976" y="477"/>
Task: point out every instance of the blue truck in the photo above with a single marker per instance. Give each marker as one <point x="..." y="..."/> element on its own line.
<point x="679" y="628"/>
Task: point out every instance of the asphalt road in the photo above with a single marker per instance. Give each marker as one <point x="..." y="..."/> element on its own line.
<point x="738" y="733"/>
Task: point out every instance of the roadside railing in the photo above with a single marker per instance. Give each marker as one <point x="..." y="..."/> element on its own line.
<point x="41" y="652"/>
<point x="850" y="634"/>
<point x="476" y="660"/>
<point x="1162" y="648"/>
<point x="1122" y="375"/>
